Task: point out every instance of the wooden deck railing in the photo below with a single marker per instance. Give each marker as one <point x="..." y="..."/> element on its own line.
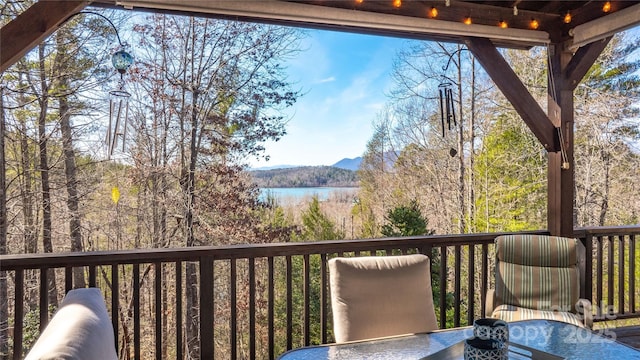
<point x="257" y="301"/>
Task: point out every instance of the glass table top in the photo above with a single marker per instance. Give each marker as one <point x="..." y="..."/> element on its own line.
<point x="557" y="338"/>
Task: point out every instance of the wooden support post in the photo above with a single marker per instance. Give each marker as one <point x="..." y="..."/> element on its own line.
<point x="566" y="70"/>
<point x="560" y="169"/>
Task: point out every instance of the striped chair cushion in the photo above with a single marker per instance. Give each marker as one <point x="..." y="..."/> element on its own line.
<point x="515" y="313"/>
<point x="537" y="250"/>
<point x="537" y="272"/>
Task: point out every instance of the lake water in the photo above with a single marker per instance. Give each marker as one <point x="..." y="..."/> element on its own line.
<point x="302" y="193"/>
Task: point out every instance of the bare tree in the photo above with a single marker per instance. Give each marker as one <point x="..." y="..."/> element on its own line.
<point x="4" y="298"/>
<point x="222" y="88"/>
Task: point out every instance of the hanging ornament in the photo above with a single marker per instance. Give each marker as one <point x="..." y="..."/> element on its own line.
<point x="115" y="195"/>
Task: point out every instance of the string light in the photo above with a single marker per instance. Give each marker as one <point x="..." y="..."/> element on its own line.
<point x="397" y="3"/>
<point x="359" y="1"/>
<point x="433" y="12"/>
<point x="467" y="20"/>
<point x="503" y="24"/>
<point x="567" y="18"/>
<point x="606" y="7"/>
<point x="534" y="24"/>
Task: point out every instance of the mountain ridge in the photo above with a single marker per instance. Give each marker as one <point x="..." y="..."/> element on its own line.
<point x="346" y="163"/>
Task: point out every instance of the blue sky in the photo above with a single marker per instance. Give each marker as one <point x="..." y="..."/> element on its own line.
<point x="345" y="78"/>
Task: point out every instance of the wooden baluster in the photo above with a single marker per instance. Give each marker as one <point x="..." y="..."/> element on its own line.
<point x="252" y="309"/>
<point x="233" y="340"/>
<point x="44" y="298"/>
<point x="457" y="281"/>
<point x="324" y="286"/>
<point x="270" y="307"/>
<point x="136" y="311"/>
<point x="307" y="295"/>
<point x="157" y="269"/>
<point x="18" y="315"/>
<point x="471" y="285"/>
<point x="289" y="305"/>
<point x="115" y="304"/>
<point x="179" y="345"/>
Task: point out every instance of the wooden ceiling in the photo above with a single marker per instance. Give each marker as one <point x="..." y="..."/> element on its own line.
<point x="415" y="19"/>
<point x="590" y="20"/>
<point x="517" y="14"/>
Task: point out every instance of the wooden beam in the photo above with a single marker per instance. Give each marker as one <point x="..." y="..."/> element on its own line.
<point x="32" y="27"/>
<point x="291" y="13"/>
<point x="583" y="60"/>
<point x="605" y="26"/>
<point x="513" y="89"/>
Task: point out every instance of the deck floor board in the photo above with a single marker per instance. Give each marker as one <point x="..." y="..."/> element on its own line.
<point x="629" y="335"/>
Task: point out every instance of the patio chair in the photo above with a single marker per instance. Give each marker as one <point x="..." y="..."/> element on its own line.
<point x="378" y="296"/>
<point x="538" y="277"/>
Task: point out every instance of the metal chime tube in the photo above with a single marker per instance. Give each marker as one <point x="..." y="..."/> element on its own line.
<point x="116" y="128"/>
<point x="441" y="110"/>
<point x="107" y="139"/>
<point x="118" y="114"/>
<point x="453" y="109"/>
<point x="448" y="106"/>
<point x="126" y="116"/>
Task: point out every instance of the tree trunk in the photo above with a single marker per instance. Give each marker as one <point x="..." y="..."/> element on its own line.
<point x="70" y="171"/>
<point x="472" y="137"/>
<point x="193" y="343"/>
<point x="4" y="298"/>
<point x="604" y="206"/>
<point x="461" y="188"/>
<point x="44" y="177"/>
<point x="27" y="196"/>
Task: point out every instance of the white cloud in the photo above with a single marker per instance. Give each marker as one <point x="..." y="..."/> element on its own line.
<point x="326" y="80"/>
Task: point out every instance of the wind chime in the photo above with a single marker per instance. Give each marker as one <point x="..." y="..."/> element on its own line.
<point x="447" y="110"/>
<point x="118" y="103"/>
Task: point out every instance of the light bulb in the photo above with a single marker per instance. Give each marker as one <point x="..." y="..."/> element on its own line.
<point x="397" y="3"/>
<point x="467" y="20"/>
<point x="503" y="24"/>
<point x="534" y="24"/>
<point x="567" y="18"/>
<point x="606" y="7"/>
<point x="433" y="12"/>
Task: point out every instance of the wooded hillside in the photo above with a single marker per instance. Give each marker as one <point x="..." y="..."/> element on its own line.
<point x="306" y="176"/>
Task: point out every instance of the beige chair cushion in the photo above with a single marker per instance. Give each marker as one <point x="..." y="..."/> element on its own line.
<point x="80" y="329"/>
<point x="381" y="296"/>
<point x="515" y="313"/>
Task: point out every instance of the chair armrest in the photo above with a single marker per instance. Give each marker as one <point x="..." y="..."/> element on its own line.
<point x="489" y="302"/>
<point x="584" y="311"/>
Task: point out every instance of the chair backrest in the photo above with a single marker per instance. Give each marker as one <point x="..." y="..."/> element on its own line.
<point x="80" y="329"/>
<point x="377" y="296"/>
<point x="538" y="272"/>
